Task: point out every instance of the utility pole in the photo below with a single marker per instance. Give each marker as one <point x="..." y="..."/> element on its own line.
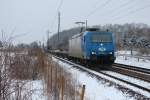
<point x="86" y="24"/>
<point x="58" y="25"/>
<point x="43" y="42"/>
<point x="48" y="32"/>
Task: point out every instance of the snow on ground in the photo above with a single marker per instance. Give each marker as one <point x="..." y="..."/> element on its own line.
<point x="40" y="93"/>
<point x="133" y="61"/>
<point x="95" y="90"/>
<point x="122" y="52"/>
<point x="36" y="90"/>
<point x="28" y="89"/>
<point x="129" y="60"/>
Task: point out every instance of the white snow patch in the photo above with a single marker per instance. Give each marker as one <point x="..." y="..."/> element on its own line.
<point x="123" y="52"/>
<point x="133" y="61"/>
<point x="37" y="87"/>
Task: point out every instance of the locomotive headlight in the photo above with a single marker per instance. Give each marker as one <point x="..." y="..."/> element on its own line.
<point x="104" y="49"/>
<point x="93" y="53"/>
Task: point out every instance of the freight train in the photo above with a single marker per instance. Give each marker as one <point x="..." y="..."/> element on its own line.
<point x="91" y="47"/>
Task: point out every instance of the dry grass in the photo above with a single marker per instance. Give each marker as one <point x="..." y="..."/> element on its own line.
<point x="20" y="68"/>
<point x="60" y="84"/>
<point x="17" y="70"/>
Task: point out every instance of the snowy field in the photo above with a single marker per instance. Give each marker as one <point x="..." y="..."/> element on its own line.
<point x="133" y="61"/>
<point x="39" y="93"/>
<point x="99" y="89"/>
<point x="36" y="90"/>
<point x="129" y="60"/>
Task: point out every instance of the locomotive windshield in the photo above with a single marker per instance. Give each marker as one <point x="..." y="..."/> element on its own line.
<point x="101" y="38"/>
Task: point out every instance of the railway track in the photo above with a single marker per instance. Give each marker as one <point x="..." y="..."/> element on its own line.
<point x="132" y="71"/>
<point x="93" y="72"/>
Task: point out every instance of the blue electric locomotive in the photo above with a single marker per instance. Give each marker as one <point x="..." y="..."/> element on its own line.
<point x="93" y="46"/>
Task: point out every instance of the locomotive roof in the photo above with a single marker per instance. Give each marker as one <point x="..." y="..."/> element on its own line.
<point x="95" y="30"/>
<point x="87" y="30"/>
<point x="92" y="29"/>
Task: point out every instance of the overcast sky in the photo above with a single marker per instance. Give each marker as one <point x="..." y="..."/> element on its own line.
<point x="30" y="19"/>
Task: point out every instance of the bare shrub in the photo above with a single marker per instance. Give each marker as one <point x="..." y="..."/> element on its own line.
<point x="17" y="69"/>
<point x="60" y="83"/>
<point x="20" y="67"/>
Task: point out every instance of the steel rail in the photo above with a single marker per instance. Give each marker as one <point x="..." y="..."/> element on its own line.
<point x="144" y="70"/>
<point x="132" y="71"/>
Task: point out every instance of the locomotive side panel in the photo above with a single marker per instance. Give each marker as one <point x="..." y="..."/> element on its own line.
<point x="75" y="49"/>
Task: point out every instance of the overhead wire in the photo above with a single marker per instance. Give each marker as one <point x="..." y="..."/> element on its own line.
<point x="126" y="6"/>
<point x="59" y="7"/>
<point x="133" y="11"/>
<point x="96" y="3"/>
<point x="118" y="7"/>
<point x="103" y="5"/>
<point x="55" y="16"/>
<point x="97" y="8"/>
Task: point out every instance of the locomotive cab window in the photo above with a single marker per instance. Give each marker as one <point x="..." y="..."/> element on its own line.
<point x="101" y="38"/>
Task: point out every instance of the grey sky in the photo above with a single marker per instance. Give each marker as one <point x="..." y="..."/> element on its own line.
<point x="35" y="17"/>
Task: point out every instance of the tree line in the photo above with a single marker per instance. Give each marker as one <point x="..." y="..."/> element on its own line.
<point x="127" y="36"/>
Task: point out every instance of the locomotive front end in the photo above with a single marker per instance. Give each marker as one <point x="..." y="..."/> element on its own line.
<point x="100" y="47"/>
